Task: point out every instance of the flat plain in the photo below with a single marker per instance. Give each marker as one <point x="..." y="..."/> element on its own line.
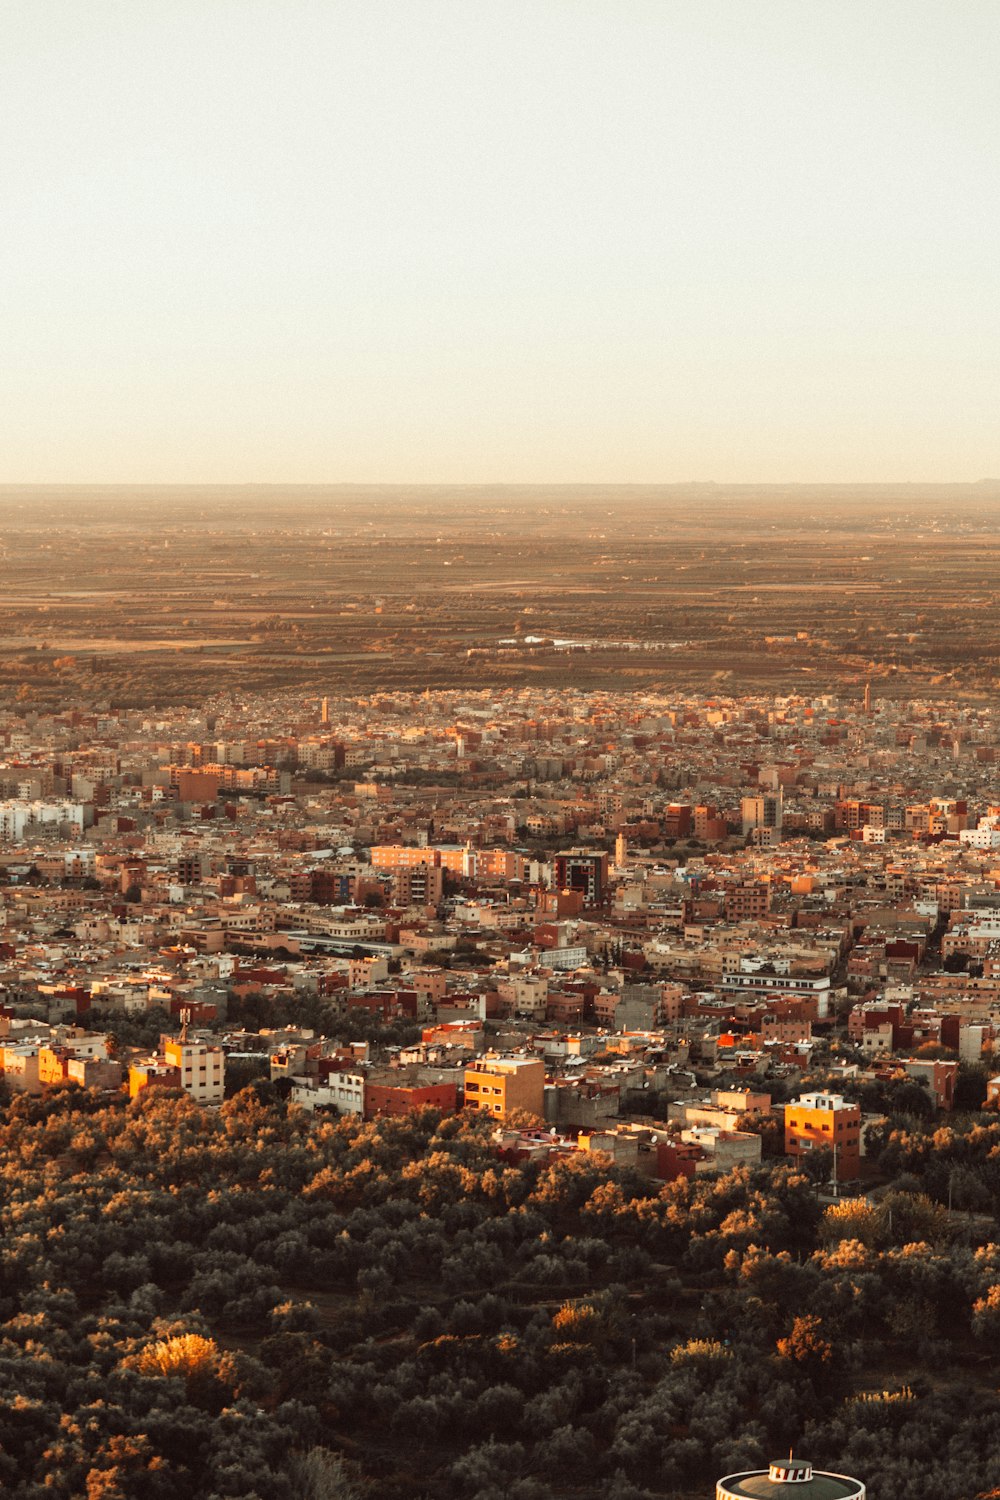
<point x="161" y="594"/>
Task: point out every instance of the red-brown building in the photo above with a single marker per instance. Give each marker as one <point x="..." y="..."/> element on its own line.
<point x="403" y="1099"/>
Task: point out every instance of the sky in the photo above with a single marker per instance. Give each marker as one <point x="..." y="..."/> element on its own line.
<point x="641" y="241"/>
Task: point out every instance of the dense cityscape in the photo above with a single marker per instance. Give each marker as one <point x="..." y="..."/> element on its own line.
<point x="499" y="750"/>
<point x="468" y="1030"/>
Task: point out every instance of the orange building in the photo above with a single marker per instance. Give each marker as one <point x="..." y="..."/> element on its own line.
<point x="53" y="1064"/>
<point x="467" y="1034"/>
<point x="818" y="1120"/>
<point x="457" y="859"/>
<point x="403" y="856"/>
<point x="152" y="1072"/>
<point x="500" y="1084"/>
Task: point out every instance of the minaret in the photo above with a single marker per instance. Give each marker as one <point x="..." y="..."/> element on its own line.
<point x="324" y="711"/>
<point x="621" y="851"/>
<point x="868" y="696"/>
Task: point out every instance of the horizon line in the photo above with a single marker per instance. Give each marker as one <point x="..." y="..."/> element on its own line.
<point x="512" y="484"/>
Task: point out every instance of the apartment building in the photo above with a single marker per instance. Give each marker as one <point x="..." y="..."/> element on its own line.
<point x="201" y="1068"/>
<point x="817" y="1120"/>
<point x="499" y="1084"/>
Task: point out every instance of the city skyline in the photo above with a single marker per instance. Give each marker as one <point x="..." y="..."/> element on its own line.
<point x="499" y="750"/>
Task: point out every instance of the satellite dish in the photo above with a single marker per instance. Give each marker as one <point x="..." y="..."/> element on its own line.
<point x="653" y="1139"/>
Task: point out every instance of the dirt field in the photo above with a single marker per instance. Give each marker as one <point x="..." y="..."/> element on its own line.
<point x="161" y="595"/>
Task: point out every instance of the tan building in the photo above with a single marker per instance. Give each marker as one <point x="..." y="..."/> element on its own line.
<point x="417" y="885"/>
<point x="202" y="1068"/>
<point x="20" y="1069"/>
<point x="94" y="1072"/>
<point x="195" y="1067"/>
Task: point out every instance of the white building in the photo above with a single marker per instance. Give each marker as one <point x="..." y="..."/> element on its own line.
<point x="563" y="958"/>
<point x="345" y="1091"/>
<point x="18" y="816"/>
<point x="986" y="836"/>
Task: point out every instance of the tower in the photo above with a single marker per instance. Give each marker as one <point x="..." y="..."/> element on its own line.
<point x="868" y="696"/>
<point x="324" y="712"/>
<point x="765" y="812"/>
<point x="789" y="1479"/>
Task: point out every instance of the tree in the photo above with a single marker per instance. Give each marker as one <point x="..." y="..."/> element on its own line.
<point x="970" y="1086"/>
<point x="818" y="1164"/>
<point x="770" y="1129"/>
<point x="321" y="1475"/>
<point x="241" y="1072"/>
<point x="805" y="1345"/>
<point x="189" y="1357"/>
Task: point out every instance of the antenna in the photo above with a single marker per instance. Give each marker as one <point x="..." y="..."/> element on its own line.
<point x="185" y="1018"/>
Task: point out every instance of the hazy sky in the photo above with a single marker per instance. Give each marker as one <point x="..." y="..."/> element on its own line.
<point x="639" y="240"/>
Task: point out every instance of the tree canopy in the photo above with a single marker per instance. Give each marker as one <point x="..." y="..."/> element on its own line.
<point x="252" y="1303"/>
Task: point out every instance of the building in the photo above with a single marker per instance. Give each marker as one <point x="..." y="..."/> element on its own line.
<point x="404" y="1098"/>
<point x="201" y="1068"/>
<point x="722" y="1150"/>
<point x="152" y="1072"/>
<point x="500" y="1084"/>
<point x="94" y="1072"/>
<point x="337" y="1090"/>
<point x="769" y="987"/>
<point x="417" y="885"/>
<point x="765" y="812"/>
<point x="818" y="1120"/>
<point x="583" y="870"/>
<point x="53" y="1063"/>
<point x="20" y="1069"/>
<point x="677" y="820"/>
<point x="527" y="994"/>
<point x="789" y="1479"/>
<point x="939" y="1077"/>
<point x="21" y="818"/>
<point x="747" y="902"/>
